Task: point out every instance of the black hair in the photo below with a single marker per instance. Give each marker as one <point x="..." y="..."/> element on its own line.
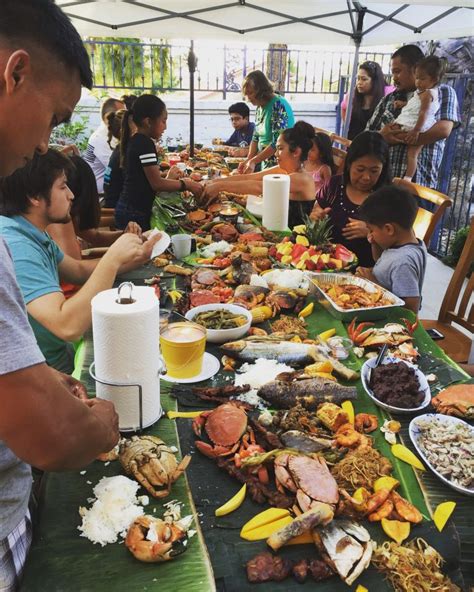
<point x="240" y="109"/>
<point x="409" y="55"/>
<point x="390" y="205"/>
<point x="35" y="179"/>
<point x="300" y="136"/>
<point x="433" y="66"/>
<point x="377" y="91"/>
<point x="85" y="208"/>
<point x="369" y="144"/>
<point x="145" y="106"/>
<point x="109" y="106"/>
<point x="42" y="24"/>
<point x="324" y="145"/>
<point x="114" y="121"/>
<point x="128" y="101"/>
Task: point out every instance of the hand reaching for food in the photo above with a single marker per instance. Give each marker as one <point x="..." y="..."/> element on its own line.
<point x="318" y="213"/>
<point x="355" y="229"/>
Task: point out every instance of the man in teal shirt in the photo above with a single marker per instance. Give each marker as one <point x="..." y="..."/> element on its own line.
<point x="37" y="258"/>
<point x="32" y="198"/>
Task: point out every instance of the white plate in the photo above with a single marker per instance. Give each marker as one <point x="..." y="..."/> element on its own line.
<point x="414" y="435"/>
<point x="210" y="367"/>
<point x="424" y="386"/>
<point x="161" y="246"/>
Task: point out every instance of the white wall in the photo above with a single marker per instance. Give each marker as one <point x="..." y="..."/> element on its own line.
<point x="212" y="118"/>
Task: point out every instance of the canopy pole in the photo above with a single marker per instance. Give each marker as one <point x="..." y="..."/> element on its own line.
<point x="352" y="87"/>
<point x="357" y="36"/>
<point x="192" y="64"/>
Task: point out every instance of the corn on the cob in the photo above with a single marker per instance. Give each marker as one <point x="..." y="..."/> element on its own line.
<point x="260" y="314"/>
<point x="258" y="251"/>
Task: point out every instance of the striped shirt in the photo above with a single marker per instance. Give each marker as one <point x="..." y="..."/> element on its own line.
<point x="430" y="157"/>
<point x="137" y="193"/>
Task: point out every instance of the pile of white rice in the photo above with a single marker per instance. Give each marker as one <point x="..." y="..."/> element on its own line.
<point x="256" y="375"/>
<point x="290" y="279"/>
<point x="113" y="511"/>
<point x="218" y="248"/>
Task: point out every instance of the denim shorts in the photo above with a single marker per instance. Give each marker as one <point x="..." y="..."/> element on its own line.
<point x="125" y="214"/>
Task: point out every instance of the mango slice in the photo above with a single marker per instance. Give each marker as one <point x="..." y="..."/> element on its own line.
<point x="442" y="513"/>
<point x="175" y="414"/>
<point x="361" y="495"/>
<point x="396" y="530"/>
<point x="325" y="335"/>
<point x="361" y="588"/>
<point x="386" y="483"/>
<point x="349" y="409"/>
<point x="263" y="518"/>
<point x="234" y="502"/>
<point x="266" y="530"/>
<point x="403" y="453"/>
<point x="307" y="310"/>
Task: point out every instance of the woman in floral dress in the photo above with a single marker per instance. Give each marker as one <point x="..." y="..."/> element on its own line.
<point x="274" y="114"/>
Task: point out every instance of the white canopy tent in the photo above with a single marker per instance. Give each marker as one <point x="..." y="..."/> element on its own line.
<point x="315" y="22"/>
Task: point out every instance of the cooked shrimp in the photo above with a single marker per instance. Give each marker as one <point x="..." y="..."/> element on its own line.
<point x="365" y="422"/>
<point x="406" y="510"/>
<point x="376" y="500"/>
<point x="347" y="437"/>
<point x="382" y="511"/>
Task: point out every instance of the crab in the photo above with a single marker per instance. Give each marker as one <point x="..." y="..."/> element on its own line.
<point x="457" y="400"/>
<point x="392" y="334"/>
<point x="308" y="477"/>
<point x="151" y="463"/>
<point x="224" y="427"/>
<point x="153" y="540"/>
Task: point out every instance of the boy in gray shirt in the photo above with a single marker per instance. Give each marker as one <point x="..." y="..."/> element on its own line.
<point x="400" y="257"/>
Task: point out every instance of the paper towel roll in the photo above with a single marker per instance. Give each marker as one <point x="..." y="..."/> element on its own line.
<point x="126" y="349"/>
<point x="276" y="201"/>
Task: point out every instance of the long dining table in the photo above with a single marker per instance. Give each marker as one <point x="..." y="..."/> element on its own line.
<point x="61" y="560"/>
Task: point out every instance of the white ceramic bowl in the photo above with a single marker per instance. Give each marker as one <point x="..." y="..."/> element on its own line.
<point x="444" y="420"/>
<point x="424" y="386"/>
<point x="223" y="335"/>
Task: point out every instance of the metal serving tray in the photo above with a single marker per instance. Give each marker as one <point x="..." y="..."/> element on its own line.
<point x="342" y="314"/>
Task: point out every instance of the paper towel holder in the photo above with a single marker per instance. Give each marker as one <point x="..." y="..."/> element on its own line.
<point x="122" y="384"/>
<point x="121" y="299"/>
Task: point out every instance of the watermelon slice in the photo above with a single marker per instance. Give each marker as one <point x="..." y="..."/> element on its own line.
<point x="344" y="254"/>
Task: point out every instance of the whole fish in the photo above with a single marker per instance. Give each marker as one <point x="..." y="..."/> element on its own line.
<point x="284" y="352"/>
<point x="310" y="392"/>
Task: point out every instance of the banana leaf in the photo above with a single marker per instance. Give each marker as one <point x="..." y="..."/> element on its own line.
<point x="60" y="559"/>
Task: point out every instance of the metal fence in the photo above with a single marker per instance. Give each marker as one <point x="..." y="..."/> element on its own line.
<point x="163" y="68"/>
<point x="457" y="169"/>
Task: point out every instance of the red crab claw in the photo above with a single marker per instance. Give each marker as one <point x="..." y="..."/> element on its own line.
<point x="213" y="451"/>
<point x="199" y="422"/>
<point x="410" y="326"/>
<point x="356" y="332"/>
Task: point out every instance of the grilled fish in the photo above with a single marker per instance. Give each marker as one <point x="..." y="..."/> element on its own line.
<point x="309" y="392"/>
<point x="285" y="352"/>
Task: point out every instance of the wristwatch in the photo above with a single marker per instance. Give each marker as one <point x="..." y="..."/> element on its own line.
<point x="182" y="185"/>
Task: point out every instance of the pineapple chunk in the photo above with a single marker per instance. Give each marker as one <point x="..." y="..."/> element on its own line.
<point x="305" y="256"/>
<point x="325" y="258"/>
<point x="299" y="229"/>
<point x="286" y="259"/>
<point x="337" y="263"/>
<point x="302" y="240"/>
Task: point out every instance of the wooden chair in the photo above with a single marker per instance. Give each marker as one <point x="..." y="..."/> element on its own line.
<point x="426" y="221"/>
<point x="107" y="218"/>
<point x="457" y="345"/>
<point x="339" y="157"/>
<point x="343" y="142"/>
<point x="320" y="130"/>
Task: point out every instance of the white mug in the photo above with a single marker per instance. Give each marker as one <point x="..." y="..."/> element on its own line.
<point x="181" y="245"/>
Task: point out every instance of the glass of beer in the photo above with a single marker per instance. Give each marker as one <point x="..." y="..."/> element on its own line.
<point x="182" y="347"/>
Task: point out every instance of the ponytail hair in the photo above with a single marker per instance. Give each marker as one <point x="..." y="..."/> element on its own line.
<point x="114" y="125"/>
<point x="324" y="145"/>
<point x="300" y="136"/>
<point x="146" y="106"/>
